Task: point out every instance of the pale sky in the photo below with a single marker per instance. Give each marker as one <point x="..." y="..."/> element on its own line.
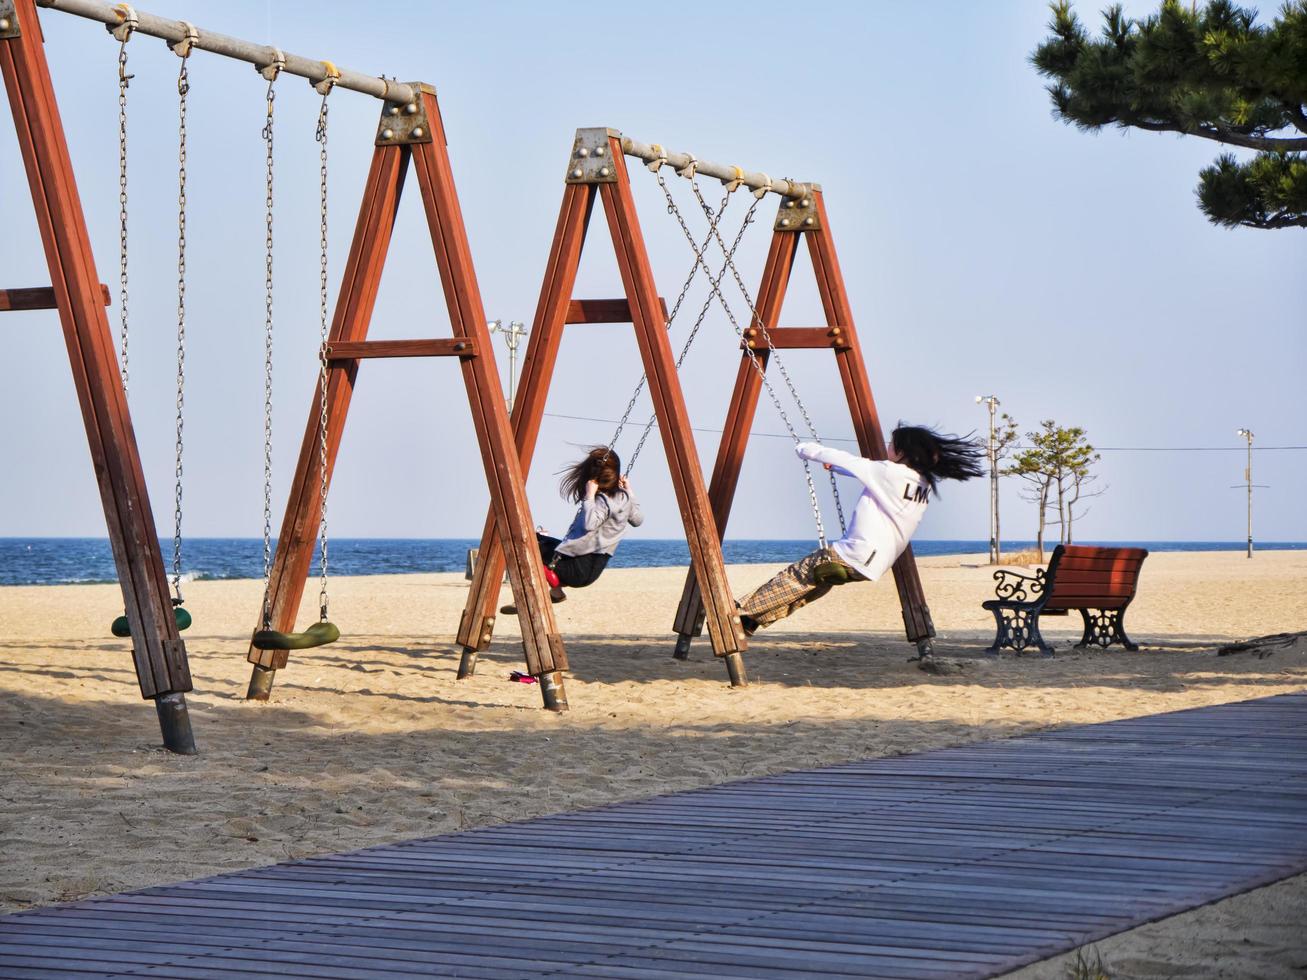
<point x="987" y="247"/>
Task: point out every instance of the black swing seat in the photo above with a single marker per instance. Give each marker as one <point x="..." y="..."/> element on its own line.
<point x="317" y="635"/>
<point x="120" y="626"/>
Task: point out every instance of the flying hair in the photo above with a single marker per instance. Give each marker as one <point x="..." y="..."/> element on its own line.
<point x="600" y="464"/>
<point x="937" y="456"/>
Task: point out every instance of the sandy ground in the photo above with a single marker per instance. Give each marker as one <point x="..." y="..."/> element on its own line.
<point x="372" y="740"/>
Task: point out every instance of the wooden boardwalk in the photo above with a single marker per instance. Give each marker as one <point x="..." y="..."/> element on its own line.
<point x="964" y="862"/>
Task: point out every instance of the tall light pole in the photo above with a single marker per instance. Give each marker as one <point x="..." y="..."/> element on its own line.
<point x="1248" y="479"/>
<point x="513" y="334"/>
<point x="994" y="549"/>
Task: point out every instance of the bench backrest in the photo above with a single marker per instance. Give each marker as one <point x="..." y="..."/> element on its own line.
<point x="1096" y="578"/>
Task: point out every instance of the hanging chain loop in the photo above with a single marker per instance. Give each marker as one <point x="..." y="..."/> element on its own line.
<point x="324" y="350"/>
<point x="123" y="34"/>
<point x="183" y="49"/>
<point x="785" y="375"/>
<point x="270" y="72"/>
<point x="714" y="218"/>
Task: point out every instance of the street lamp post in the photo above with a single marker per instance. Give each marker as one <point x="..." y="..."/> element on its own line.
<point x="513" y="334"/>
<point x="994" y="548"/>
<point x="1248" y="479"/>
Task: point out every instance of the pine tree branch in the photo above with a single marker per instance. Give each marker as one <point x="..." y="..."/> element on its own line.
<point x="1220" y="134"/>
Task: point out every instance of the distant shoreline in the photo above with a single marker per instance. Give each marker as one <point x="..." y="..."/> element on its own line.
<point x="88" y="561"/>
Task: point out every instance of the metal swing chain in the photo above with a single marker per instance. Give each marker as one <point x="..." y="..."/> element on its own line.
<point x="273" y="70"/>
<point x="714" y="281"/>
<point x="323" y="350"/>
<point x="123" y="80"/>
<point x="753" y="358"/>
<point x="789" y="383"/>
<point x="183" y="88"/>
<point x="714" y="218"/>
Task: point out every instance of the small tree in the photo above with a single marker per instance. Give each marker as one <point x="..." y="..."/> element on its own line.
<point x="1199" y="70"/>
<point x="1056" y="466"/>
<point x="1005" y="437"/>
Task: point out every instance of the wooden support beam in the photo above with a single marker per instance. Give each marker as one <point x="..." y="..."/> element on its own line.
<point x="604" y="311"/>
<point x="359" y="349"/>
<point x="157" y="648"/>
<point x="37" y="298"/>
<point x="797" y="338"/>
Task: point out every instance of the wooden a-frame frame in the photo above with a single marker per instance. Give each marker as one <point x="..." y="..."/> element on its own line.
<point x="420" y="136"/>
<point x="642" y="308"/>
<point x="158" y="651"/>
<point x="804" y="218"/>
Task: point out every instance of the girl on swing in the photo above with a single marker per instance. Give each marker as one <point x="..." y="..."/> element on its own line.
<point x="607" y="508"/>
<point x="894" y="496"/>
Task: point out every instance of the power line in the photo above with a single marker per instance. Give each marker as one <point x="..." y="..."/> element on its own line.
<point x="1101" y="449"/>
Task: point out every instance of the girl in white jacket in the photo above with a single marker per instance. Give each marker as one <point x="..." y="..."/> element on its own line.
<point x="894" y="497"/>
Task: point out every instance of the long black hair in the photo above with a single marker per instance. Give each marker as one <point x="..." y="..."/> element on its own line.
<point x="937" y="456"/>
<point x="600" y="464"/>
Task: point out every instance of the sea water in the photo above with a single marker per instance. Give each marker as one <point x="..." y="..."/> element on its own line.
<point x="63" y="561"/>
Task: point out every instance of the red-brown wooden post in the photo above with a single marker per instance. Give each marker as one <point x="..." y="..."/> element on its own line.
<point x="862" y="407"/>
<point x="477" y="625"/>
<point x="157" y="648"/>
<point x="419" y="135"/>
<point x="739" y="423"/>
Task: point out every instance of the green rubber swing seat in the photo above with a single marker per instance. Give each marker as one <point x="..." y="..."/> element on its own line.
<point x="317" y="635"/>
<point x="833" y="573"/>
<point x="120" y="626"/>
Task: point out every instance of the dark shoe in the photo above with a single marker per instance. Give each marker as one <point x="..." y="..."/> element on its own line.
<point x="749" y="624"/>
<point x="556" y="594"/>
<point x="509" y="610"/>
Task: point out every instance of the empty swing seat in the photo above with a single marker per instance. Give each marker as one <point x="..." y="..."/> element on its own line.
<point x="120" y="626"/>
<point x="317" y="635"/>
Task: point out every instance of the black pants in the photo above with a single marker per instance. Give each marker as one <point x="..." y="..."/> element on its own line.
<point x="574" y="571"/>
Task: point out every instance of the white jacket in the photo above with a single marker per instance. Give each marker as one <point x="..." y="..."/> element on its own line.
<point x="886" y="515"/>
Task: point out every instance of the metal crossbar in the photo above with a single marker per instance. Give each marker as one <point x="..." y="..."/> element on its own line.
<point x="259" y="55"/>
<point x="756" y="181"/>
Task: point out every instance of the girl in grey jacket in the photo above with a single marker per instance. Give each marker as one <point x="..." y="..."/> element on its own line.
<point x="607" y="508"/>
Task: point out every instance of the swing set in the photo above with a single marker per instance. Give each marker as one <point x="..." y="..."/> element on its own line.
<point x="410" y="130"/>
<point x="597" y="171"/>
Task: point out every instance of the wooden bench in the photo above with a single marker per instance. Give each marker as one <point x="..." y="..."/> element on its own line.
<point x="1100" y="582"/>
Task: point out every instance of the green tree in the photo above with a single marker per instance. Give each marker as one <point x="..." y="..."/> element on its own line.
<point x="1057" y="468"/>
<point x="1202" y="70"/>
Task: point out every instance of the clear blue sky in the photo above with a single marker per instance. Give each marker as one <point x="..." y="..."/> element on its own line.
<point x="987" y="248"/>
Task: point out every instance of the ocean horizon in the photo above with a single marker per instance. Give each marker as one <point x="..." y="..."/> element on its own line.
<point x="78" y="561"/>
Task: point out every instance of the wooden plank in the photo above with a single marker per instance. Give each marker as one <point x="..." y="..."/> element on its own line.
<point x="37" y="298"/>
<point x="797" y="338"/>
<point x="452" y="347"/>
<point x="604" y="311"/>
<point x="1037" y="844"/>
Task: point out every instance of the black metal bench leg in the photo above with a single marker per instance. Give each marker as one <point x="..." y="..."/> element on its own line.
<point x="1087" y="638"/>
<point x="1002" y="635"/>
<point x="1036" y="637"/>
<point x="1119" y="633"/>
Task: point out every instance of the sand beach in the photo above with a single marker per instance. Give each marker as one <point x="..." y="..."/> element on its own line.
<point x="373" y="740"/>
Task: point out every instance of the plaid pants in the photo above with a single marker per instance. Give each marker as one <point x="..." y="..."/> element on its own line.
<point x="792" y="589"/>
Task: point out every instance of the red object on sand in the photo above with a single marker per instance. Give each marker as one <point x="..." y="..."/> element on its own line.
<point x="521" y="678"/>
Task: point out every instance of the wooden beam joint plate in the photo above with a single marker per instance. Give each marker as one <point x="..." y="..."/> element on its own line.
<point x="591" y="160"/>
<point x="8" y="21"/>
<point x="798" y="214"/>
<point x="405" y="123"/>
